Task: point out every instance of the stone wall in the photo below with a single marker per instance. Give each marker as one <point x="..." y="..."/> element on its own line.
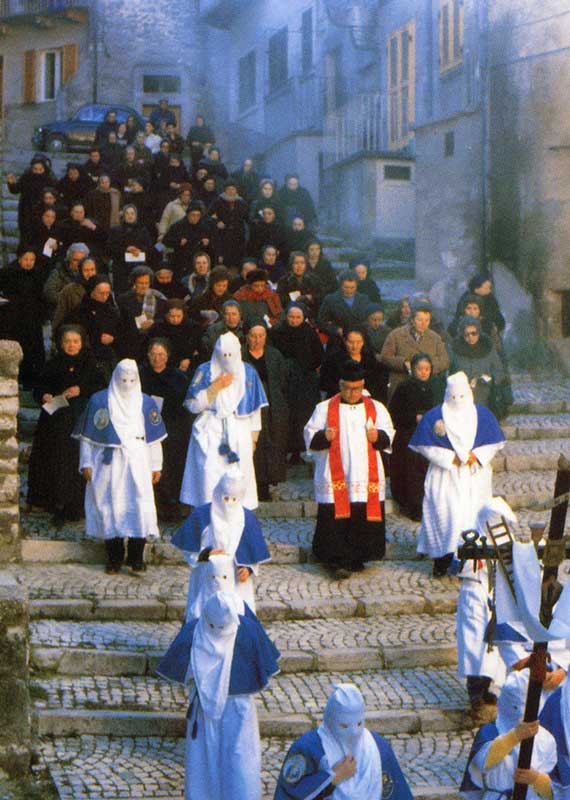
<point x="15" y="730"/>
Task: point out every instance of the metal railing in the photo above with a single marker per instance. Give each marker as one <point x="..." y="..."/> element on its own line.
<point x="358" y="126"/>
<point x="294" y="107"/>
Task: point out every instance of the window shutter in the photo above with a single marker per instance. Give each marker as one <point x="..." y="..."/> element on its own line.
<point x="29" y="77"/>
<point x="70" y="61"/>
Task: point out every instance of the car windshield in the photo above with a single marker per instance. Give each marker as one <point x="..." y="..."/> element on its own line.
<point x="91" y="114"/>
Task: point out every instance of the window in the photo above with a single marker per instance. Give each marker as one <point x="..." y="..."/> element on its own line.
<point x="49" y="74"/>
<point x="307" y="41"/>
<point x="278" y="59"/>
<point x="246" y="81"/>
<point x="334" y="85"/>
<point x="449" y="144"/>
<point x="450" y="34"/>
<point x="401" y="86"/>
<point x="392" y="172"/>
<point x="161" y="84"/>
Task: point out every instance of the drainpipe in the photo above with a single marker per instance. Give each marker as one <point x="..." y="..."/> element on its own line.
<point x="485" y="135"/>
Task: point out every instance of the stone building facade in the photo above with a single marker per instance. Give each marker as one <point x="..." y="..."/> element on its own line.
<point x="58" y="54"/>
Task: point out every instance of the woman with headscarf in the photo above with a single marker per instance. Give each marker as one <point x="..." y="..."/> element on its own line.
<point x="266" y="198"/>
<point x="300" y="285"/>
<point x="229" y="211"/>
<point x="100" y="319"/>
<point x="492" y="767"/>
<point x="297" y="201"/>
<point x="223" y="527"/>
<point x="129" y="244"/>
<point x="353" y="347"/>
<point x="366" y="285"/>
<point x="257" y="300"/>
<point x="230" y="658"/>
<point x="30" y="186"/>
<point x="74" y="185"/>
<point x="473" y="353"/>
<point x="342" y="758"/>
<point x="481" y="285"/>
<point x="459" y="439"/>
<point x="23" y="311"/>
<point x="411" y="400"/>
<point x="46" y="240"/>
<point x="402" y="313"/>
<point x="471" y="306"/>
<point x="120" y="435"/>
<point x="321" y="266"/>
<point x="299" y="343"/>
<point x="140" y="307"/>
<point x="227" y="395"/>
<point x="271" y="449"/>
<point x="72" y="294"/>
<point x="54" y="481"/>
<point x="167" y="385"/>
<point x="207" y="307"/>
<point x="182" y="334"/>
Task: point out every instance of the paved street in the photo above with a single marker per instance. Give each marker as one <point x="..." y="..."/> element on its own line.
<point x="109" y="728"/>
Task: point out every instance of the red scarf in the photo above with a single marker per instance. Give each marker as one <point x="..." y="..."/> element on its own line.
<point x="338" y="478"/>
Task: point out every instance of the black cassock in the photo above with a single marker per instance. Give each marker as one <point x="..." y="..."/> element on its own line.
<point x="171" y="384"/>
<point x="271" y="449"/>
<point x="408" y="469"/>
<point x="54" y="481"/>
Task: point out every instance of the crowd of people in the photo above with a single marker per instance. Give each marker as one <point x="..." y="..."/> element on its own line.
<point x="201" y="345"/>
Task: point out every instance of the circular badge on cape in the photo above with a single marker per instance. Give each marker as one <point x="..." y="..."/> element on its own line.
<point x="439" y="428"/>
<point x="154" y="417"/>
<point x="387" y="786"/>
<point x="101" y="419"/>
<point x="294" y="768"/>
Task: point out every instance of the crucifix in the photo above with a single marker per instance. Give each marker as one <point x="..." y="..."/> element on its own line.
<point x="552" y="553"/>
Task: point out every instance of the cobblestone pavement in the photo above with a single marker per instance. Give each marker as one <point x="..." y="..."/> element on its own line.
<point x="302" y="693"/>
<point x="110" y="768"/>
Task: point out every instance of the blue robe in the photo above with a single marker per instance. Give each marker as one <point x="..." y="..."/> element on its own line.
<point x="300" y="776"/>
<point x="488" y="430"/>
<point x="551" y="718"/>
<point x="251" y="550"/>
<point x="95" y="426"/>
<point x="254" y="659"/>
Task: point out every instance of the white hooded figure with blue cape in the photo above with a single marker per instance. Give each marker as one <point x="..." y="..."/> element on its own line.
<point x="120" y="435"/>
<point x="228" y="658"/>
<point x="223" y="526"/>
<point x="227" y="395"/>
<point x="342" y="759"/>
<point x="459" y="439"/>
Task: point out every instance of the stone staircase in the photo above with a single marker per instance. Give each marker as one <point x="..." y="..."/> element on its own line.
<point x="108" y="728"/>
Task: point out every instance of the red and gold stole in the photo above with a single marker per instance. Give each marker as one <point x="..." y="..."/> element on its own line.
<point x="338" y="478"/>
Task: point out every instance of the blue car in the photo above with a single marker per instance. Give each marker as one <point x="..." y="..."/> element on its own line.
<point x="78" y="133"/>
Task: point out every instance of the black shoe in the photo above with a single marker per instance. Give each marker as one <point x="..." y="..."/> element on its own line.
<point x="341" y="574"/>
<point x="295" y="459"/>
<point x="357" y="566"/>
<point x="112" y="569"/>
<point x="138" y="566"/>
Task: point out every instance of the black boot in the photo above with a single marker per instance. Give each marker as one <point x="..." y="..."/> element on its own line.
<point x="135" y="554"/>
<point x="115" y="554"/>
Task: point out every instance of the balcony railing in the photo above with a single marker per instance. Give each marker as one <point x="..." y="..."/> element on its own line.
<point x="357" y="127"/>
<point x="293" y="108"/>
<point x="14" y="8"/>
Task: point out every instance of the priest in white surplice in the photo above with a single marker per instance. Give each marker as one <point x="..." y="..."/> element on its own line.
<point x="459" y="439"/>
<point x="345" y="435"/>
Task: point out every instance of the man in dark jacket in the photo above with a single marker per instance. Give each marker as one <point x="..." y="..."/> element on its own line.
<point x="343" y="308"/>
<point x="194" y="232"/>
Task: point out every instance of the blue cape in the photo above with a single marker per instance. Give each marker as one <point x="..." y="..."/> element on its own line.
<point x="488" y="430"/>
<point x="254" y="396"/>
<point x="252" y="548"/>
<point x="551" y="718"/>
<point x="96" y="427"/>
<point x="254" y="659"/>
<point x="300" y="776"/>
<point x="487" y="733"/>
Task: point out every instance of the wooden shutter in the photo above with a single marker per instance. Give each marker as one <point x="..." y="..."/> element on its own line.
<point x="70" y="61"/>
<point x="29" y="77"/>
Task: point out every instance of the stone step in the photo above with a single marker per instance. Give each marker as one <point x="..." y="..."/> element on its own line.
<point x="521" y="455"/>
<point x="133" y="648"/>
<point x="289" y="541"/>
<point x="89" y="767"/>
<point x="404" y="701"/>
<point x="284" y="592"/>
<point x="523" y="489"/>
<point x="537" y="426"/>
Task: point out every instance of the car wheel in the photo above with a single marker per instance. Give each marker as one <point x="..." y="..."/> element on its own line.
<point x="55" y="144"/>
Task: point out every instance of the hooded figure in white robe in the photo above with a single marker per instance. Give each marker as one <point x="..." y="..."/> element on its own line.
<point x="459" y="439"/>
<point x="225" y="527"/>
<point x="120" y="436"/>
<point x="228" y="423"/>
<point x="475" y="661"/>
<point x="495" y="752"/>
<point x="342" y="753"/>
<point x="229" y="657"/>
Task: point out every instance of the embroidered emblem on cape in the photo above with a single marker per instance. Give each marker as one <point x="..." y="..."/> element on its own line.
<point x="294" y="768"/>
<point x="154" y="417"/>
<point x="101" y="419"/>
<point x="387" y="786"/>
<point x="439" y="428"/>
<point x="197" y="377"/>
